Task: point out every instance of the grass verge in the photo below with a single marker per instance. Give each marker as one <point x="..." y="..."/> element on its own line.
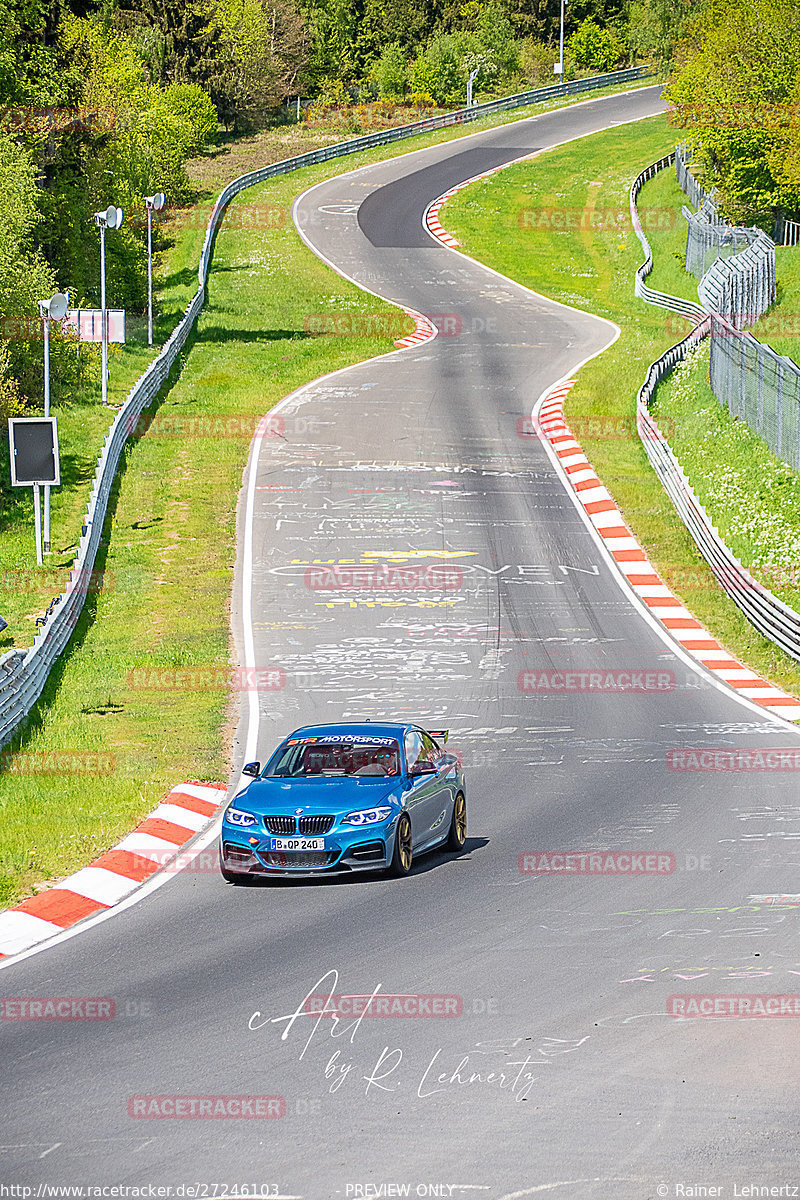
<point x="591" y="265"/>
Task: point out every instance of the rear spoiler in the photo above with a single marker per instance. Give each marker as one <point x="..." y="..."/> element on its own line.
<point x="440" y="734"/>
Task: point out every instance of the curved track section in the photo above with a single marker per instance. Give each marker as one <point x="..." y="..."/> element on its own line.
<point x="551" y="1064"/>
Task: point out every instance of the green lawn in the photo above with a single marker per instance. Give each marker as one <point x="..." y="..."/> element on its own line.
<point x="591" y="265"/>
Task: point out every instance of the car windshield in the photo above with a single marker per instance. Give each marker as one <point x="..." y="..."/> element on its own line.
<point x="315" y="757"/>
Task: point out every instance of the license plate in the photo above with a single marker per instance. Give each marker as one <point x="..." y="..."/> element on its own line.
<point x="297" y="843"/>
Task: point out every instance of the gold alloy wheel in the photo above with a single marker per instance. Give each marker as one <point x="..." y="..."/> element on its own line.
<point x="458" y="824"/>
<point x="404" y="843"/>
<point x="460" y="818"/>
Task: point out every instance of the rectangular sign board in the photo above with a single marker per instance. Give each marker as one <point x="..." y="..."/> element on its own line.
<point x="33" y="443"/>
<point x="87" y="323"/>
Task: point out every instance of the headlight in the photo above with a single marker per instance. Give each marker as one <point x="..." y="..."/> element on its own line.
<point x="235" y="816"/>
<point x="367" y="816"/>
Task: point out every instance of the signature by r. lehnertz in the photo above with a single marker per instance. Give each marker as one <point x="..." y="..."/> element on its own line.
<point x="392" y="1070"/>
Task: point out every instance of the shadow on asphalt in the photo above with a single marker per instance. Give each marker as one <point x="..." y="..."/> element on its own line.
<point x="421" y="866"/>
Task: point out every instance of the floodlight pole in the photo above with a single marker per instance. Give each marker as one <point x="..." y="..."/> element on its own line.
<point x="110" y="219"/>
<point x="151" y="203"/>
<point x="47" y="414"/>
<point x="149" y="272"/>
<point x="45" y="314"/>
<point x="561" y="43"/>
<point x="103" y="313"/>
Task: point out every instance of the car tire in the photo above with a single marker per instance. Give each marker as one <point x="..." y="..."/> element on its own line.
<point x="458" y="824"/>
<point x="403" y="853"/>
<point x="230" y="876"/>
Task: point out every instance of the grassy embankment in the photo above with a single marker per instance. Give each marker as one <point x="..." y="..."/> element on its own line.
<point x="591" y="265"/>
<point x="169" y="542"/>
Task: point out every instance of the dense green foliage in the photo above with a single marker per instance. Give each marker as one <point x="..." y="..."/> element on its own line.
<point x="736" y="89"/>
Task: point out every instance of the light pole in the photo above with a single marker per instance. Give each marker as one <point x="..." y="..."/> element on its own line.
<point x="110" y="219"/>
<point x="470" y="82"/>
<point x="559" y="68"/>
<point x="54" y="309"/>
<point x="153" y="203"/>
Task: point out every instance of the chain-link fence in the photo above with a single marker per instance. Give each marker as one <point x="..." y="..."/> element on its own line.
<point x="734" y="264"/>
<point x="759" y="386"/>
<point x="709" y="238"/>
<point x="736" y="267"/>
<point x="693" y="189"/>
<point x="741" y="287"/>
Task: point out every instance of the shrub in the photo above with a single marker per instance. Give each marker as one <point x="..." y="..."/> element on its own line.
<point x="596" y="48"/>
<point x="390" y="72"/>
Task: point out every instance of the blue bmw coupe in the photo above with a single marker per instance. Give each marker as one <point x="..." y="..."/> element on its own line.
<point x="339" y="798"/>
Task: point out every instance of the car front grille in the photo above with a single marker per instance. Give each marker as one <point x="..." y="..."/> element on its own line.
<point x="298" y="859"/>
<point x="306" y="825"/>
<point x="315" y="825"/>
<point x="280" y="824"/>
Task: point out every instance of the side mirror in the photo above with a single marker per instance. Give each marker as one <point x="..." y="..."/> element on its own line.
<point x="253" y="768"/>
<point x="423" y="768"/>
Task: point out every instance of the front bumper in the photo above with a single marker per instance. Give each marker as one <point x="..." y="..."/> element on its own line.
<point x="355" y="851"/>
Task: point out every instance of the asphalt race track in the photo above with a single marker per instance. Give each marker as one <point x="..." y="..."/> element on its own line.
<point x="555" y="1067"/>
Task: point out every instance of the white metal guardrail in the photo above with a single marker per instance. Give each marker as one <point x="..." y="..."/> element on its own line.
<point x="686" y="308"/>
<point x="770" y="616"/>
<point x="24" y="674"/>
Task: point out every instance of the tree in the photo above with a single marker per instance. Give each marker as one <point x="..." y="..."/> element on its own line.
<point x="656" y="26"/>
<point x="390" y="73"/>
<point x="33" y="67"/>
<point x="262" y="48"/>
<point x="181" y="37"/>
<point x="439" y="71"/>
<point x="595" y="48"/>
<point x="735" y="89"/>
<point x="333" y="34"/>
<point x="392" y="22"/>
<point x="25" y="277"/>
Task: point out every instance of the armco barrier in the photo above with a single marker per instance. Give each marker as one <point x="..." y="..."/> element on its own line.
<point x="22" y="684"/>
<point x="769" y="615"/>
<point x="686" y="308"/>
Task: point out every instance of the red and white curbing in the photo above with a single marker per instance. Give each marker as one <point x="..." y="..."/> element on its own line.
<point x="431" y="217"/>
<point x="642" y="577"/>
<point x="423" y="330"/>
<point x="114" y="875"/>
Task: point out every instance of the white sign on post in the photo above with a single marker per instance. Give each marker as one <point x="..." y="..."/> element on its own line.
<point x="87" y="323"/>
